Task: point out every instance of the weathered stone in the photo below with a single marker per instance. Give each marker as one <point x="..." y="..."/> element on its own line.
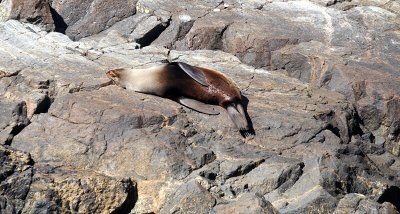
<point x="357" y="203"/>
<point x="41" y="53"/>
<point x="390" y="5"/>
<point x="306" y="194"/>
<point x="15" y="179"/>
<point x="200" y="156"/>
<point x="13" y="118"/>
<point x="111" y="39"/>
<point x="164" y="9"/>
<point x="147" y="30"/>
<point x="175" y="32"/>
<point x="265" y="177"/>
<point x="205" y="34"/>
<point x="252" y="39"/>
<point x="34" y="11"/>
<point x="319" y="137"/>
<point x="93" y="135"/>
<point x="191" y="197"/>
<point x="369" y="84"/>
<point x="124" y="27"/>
<point x="246" y="203"/>
<point x="85" y="18"/>
<point x="60" y="189"/>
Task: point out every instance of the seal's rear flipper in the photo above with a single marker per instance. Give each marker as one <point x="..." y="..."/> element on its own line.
<point x="193" y="72"/>
<point x="237" y="118"/>
<point x="198" y="106"/>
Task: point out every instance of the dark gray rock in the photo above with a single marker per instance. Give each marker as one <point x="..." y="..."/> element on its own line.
<point x="15" y="179"/>
<point x="13" y="118"/>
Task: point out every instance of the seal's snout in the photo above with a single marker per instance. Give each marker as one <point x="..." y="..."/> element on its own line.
<point x="112" y="74"/>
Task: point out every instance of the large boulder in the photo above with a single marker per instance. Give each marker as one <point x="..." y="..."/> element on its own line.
<point x="33" y="11"/>
<point x="80" y="19"/>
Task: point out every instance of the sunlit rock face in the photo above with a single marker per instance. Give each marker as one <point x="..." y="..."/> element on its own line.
<point x="319" y="79"/>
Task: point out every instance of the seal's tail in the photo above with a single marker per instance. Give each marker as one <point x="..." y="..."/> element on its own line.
<point x="237" y="115"/>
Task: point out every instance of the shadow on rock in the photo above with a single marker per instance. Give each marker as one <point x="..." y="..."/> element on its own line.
<point x="59" y="22"/>
<point x="131" y="198"/>
<point x="251" y="130"/>
<point x="392" y="195"/>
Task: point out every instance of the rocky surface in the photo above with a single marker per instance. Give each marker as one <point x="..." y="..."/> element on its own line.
<point x="320" y="81"/>
<point x="82" y="18"/>
<point x="33" y="11"/>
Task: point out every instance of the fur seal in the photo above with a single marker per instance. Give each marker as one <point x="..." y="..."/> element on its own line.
<point x="195" y="87"/>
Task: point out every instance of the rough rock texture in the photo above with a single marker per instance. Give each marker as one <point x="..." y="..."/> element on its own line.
<point x="320" y="83"/>
<point x="81" y="18"/>
<point x="47" y="189"/>
<point x="356" y="203"/>
<point x="32" y="11"/>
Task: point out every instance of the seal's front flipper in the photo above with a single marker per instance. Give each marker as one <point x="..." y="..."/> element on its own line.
<point x="237" y="118"/>
<point x="193" y="72"/>
<point x="198" y="106"/>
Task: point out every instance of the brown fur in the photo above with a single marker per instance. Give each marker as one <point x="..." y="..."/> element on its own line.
<point x="221" y="90"/>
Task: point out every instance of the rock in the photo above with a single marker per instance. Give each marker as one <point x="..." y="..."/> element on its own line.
<point x="147" y="31"/>
<point x="200" y="156"/>
<point x="60" y="189"/>
<point x="165" y="10"/>
<point x="178" y="28"/>
<point x="324" y="117"/>
<point x="307" y="190"/>
<point x="124" y="27"/>
<point x="36" y="12"/>
<point x="265" y="177"/>
<point x="43" y="52"/>
<point x="99" y="141"/>
<point x="189" y="198"/>
<point x="84" y="18"/>
<point x="336" y="67"/>
<point x="332" y="69"/>
<point x="389" y="5"/>
<point x="247" y="203"/>
<point x="13" y="118"/>
<point x="111" y="39"/>
<point x="93" y="134"/>
<point x="15" y="179"/>
<point x="357" y="203"/>
<point x="252" y="39"/>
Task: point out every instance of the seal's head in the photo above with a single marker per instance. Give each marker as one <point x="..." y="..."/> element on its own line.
<point x="117" y="76"/>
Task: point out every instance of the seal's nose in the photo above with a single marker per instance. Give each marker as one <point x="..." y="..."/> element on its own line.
<point x="112" y="74"/>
